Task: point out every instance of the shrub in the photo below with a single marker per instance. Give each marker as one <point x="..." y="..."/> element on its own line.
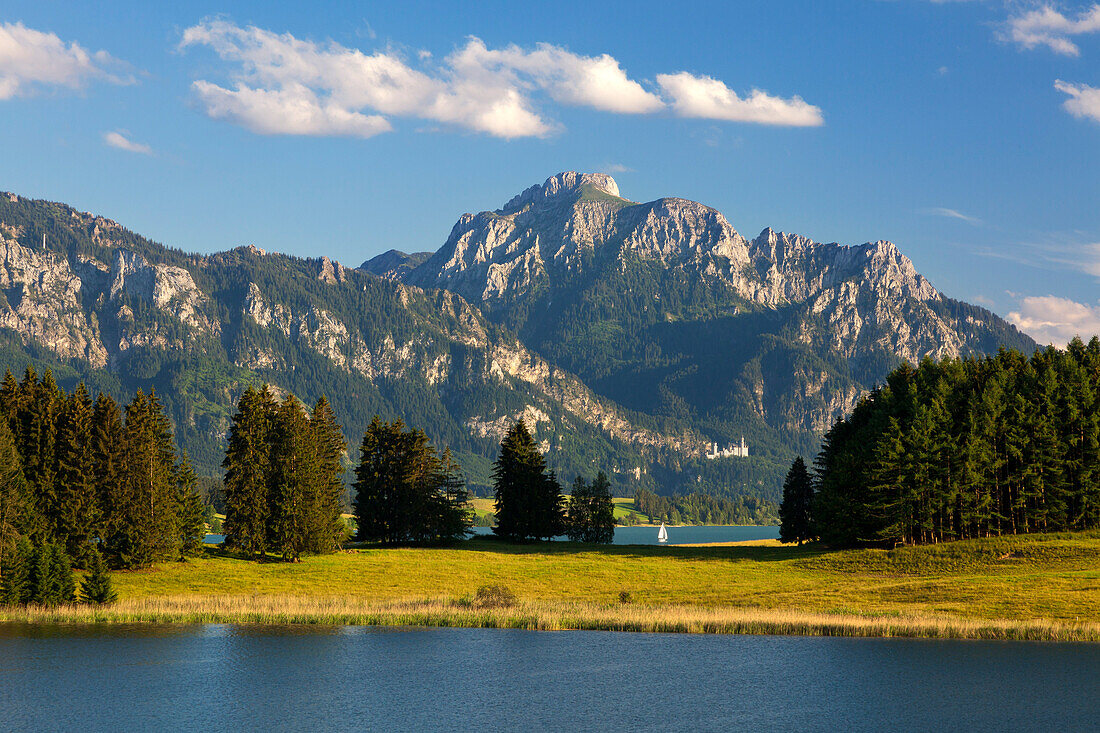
<point x="494" y="596"/>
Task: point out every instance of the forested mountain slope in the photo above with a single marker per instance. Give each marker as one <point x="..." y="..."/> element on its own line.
<point x="629" y="336"/>
<point x="665" y="308"/>
<point x="96" y="302"/>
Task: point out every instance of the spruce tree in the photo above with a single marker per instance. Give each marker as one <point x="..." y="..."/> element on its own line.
<point x="794" y="511"/>
<point x="145" y="502"/>
<point x="453" y="517"/>
<point x="405" y="490"/>
<point x="36" y="439"/>
<point x="76" y="517"/>
<point x="9" y="397"/>
<point x="17" y="571"/>
<point x="53" y="576"/>
<point x="96" y="586"/>
<point x="190" y="511"/>
<point x="293" y="468"/>
<point x="106" y="441"/>
<point x="528" y="499"/>
<point x="327" y="526"/>
<point x="601" y="511"/>
<point x="247" y="467"/>
<point x="15" y="501"/>
<point x="577" y="517"/>
<point x="591" y="511"/>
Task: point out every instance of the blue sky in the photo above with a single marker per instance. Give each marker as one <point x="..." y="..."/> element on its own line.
<point x="966" y="132"/>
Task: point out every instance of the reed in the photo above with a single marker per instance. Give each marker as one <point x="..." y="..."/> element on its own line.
<point x="546" y="616"/>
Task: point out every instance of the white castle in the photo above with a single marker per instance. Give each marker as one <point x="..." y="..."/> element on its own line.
<point x="733" y="451"/>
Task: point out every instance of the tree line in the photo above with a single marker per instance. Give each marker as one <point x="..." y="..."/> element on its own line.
<point x="960" y="448"/>
<point x="699" y="508"/>
<point x="91" y="477"/>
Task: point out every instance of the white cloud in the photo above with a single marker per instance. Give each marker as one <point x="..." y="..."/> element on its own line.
<point x="702" y="96"/>
<point x="1052" y="320"/>
<point x="31" y="59"/>
<point x="952" y="214"/>
<point x="284" y="85"/>
<point x="598" y="82"/>
<point x="119" y="139"/>
<point x="294" y="111"/>
<point x="1084" y="101"/>
<point x="1046" y="26"/>
<point x="613" y="168"/>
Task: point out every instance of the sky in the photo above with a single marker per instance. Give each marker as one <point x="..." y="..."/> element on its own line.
<point x="966" y="132"/>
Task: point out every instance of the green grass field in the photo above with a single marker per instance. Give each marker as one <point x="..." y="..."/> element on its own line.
<point x="1038" y="579"/>
<point x="625" y="508"/>
<point x="1041" y="576"/>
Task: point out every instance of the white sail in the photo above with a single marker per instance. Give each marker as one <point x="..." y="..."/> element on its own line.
<point x="662" y="535"/>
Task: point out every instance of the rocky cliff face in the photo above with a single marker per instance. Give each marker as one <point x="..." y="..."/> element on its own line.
<point x="121" y="310"/>
<point x="629" y="335"/>
<point x="544" y="264"/>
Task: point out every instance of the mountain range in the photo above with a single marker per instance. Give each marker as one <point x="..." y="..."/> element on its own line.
<point x="630" y="336"/>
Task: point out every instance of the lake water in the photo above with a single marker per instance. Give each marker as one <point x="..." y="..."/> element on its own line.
<point x="648" y="535"/>
<point x="682" y="535"/>
<point x="276" y="679"/>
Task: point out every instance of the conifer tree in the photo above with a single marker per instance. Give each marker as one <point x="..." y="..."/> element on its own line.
<point x="577" y="517"/>
<point x="15" y="501"/>
<point x="383" y="483"/>
<point x="190" y="511"/>
<point x="36" y="422"/>
<point x="9" y="397"/>
<point x="452" y="516"/>
<point x="96" y="586"/>
<point x="76" y="518"/>
<point x="405" y="490"/>
<point x="17" y="572"/>
<point x="291" y="478"/>
<point x="327" y="526"/>
<point x="590" y="516"/>
<point x="967" y="448"/>
<point x="794" y="512"/>
<point x="53" y="576"/>
<point x="106" y="441"/>
<point x="528" y="499"/>
<point x="247" y="467"/>
<point x="145" y="524"/>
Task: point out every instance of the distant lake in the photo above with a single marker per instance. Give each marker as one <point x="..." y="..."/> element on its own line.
<point x="89" y="678"/>
<point x="683" y="535"/>
<point x="648" y="535"/>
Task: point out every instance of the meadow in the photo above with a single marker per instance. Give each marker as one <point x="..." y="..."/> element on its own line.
<point x="1036" y="586"/>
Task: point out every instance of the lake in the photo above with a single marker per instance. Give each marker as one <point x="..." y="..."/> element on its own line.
<point x="370" y="678"/>
<point x="683" y="535"/>
<point x="648" y="535"/>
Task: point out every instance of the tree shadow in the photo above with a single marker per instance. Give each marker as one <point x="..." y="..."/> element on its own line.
<point x="757" y="553"/>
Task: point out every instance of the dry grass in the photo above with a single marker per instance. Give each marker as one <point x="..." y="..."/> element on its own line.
<point x="1033" y="587"/>
<point x="547" y="616"/>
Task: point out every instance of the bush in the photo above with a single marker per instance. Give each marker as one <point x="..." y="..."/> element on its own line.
<point x="494" y="596"/>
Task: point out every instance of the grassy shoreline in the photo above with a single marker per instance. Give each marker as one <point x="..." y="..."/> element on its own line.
<point x="1039" y="587"/>
<point x="538" y="616"/>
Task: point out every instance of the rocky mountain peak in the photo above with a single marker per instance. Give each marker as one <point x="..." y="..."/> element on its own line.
<point x="568" y="183"/>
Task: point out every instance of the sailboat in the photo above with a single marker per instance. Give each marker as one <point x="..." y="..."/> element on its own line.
<point x="662" y="535"/>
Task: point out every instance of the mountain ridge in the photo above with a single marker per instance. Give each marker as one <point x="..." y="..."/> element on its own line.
<point x="630" y="334"/>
